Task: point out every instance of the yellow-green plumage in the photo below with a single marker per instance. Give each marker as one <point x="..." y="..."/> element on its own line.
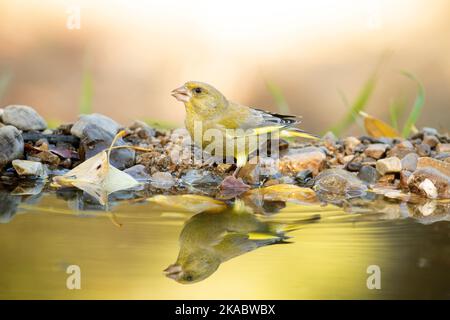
<point x="209" y="109"/>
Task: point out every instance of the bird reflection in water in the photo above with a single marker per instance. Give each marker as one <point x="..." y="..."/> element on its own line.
<point x="209" y="239"/>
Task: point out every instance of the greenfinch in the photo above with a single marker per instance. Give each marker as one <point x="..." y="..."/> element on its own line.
<point x="210" y="238"/>
<point x="210" y="114"/>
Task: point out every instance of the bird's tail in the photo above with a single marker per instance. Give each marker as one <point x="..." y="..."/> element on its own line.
<point x="297" y="133"/>
<point x="282" y="228"/>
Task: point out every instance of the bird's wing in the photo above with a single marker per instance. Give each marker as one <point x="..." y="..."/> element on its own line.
<point x="262" y="122"/>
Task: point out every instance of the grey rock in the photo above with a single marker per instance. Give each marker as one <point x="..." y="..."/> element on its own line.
<point x="409" y="162"/>
<point x="11" y="144"/>
<point x="96" y="139"/>
<point x="8" y="206"/>
<point x="339" y="182"/>
<point x="389" y="165"/>
<point x="196" y="177"/>
<point x="401" y="149"/>
<point x="430" y="131"/>
<point x="162" y="180"/>
<point x="432" y="141"/>
<point x="423" y="150"/>
<point x="23" y="117"/>
<point x="368" y="174"/>
<point x="138" y="172"/>
<point x="143" y="130"/>
<point x="101" y="121"/>
<point x="29" y="168"/>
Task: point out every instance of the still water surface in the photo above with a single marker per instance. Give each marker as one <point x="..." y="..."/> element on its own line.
<point x="327" y="259"/>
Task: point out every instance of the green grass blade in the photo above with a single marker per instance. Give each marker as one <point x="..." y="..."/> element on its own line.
<point x="358" y="105"/>
<point x="417" y="107"/>
<point x="279" y="98"/>
<point x="87" y="91"/>
<point x="5" y="79"/>
<point x="396" y="109"/>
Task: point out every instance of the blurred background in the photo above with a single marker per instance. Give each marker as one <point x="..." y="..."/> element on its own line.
<point x="122" y="58"/>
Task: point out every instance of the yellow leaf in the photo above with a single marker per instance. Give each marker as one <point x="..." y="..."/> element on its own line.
<point x="283" y="192"/>
<point x="189" y="202"/>
<point x="377" y="128"/>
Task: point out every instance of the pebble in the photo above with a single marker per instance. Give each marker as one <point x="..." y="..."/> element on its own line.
<point x="138" y="172"/>
<point x="96" y="139"/>
<point x="196" y="177"/>
<point x="368" y="174"/>
<point x="296" y="160"/>
<point x="107" y="124"/>
<point x="389" y="165"/>
<point x="423" y="150"/>
<point x="143" y="130"/>
<point x="429" y="188"/>
<point x="29" y="168"/>
<point x="11" y="144"/>
<point x="441" y="166"/>
<point x="439" y="180"/>
<point x="376" y="151"/>
<point x="401" y="149"/>
<point x="339" y="182"/>
<point x="162" y="180"/>
<point x="24" y="118"/>
<point x="432" y="141"/>
<point x="409" y="162"/>
<point x="350" y="144"/>
<point x="443" y="148"/>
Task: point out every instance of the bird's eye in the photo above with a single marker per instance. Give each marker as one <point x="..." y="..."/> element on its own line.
<point x="189" y="278"/>
<point x="198" y="90"/>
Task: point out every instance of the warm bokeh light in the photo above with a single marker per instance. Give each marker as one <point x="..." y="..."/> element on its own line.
<point x="137" y="51"/>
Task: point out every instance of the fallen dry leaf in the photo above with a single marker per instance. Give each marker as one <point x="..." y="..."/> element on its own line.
<point x="97" y="177"/>
<point x="377" y="128"/>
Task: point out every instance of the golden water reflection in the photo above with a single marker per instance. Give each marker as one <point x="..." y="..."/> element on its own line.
<point x="324" y="260"/>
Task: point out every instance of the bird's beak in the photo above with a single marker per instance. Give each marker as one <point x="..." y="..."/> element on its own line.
<point x="174" y="271"/>
<point x="181" y="94"/>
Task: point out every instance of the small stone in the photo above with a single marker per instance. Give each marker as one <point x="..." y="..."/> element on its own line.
<point x="429" y="131"/>
<point x="11" y="144"/>
<point x="24" y="118"/>
<point x="429" y="188"/>
<point x="162" y="180"/>
<point x="439" y="180"/>
<point x="401" y="149"/>
<point x="376" y="150"/>
<point x="404" y="176"/>
<point x="96" y="139"/>
<point x="441" y="166"/>
<point x="432" y="141"/>
<point x="443" y="148"/>
<point x="195" y="177"/>
<point x="29" y="168"/>
<point x="107" y="124"/>
<point x="368" y="174"/>
<point x="143" y="130"/>
<point x="423" y="150"/>
<point x="389" y="165"/>
<point x="138" y="172"/>
<point x="296" y="160"/>
<point x="305" y="178"/>
<point x="409" y="162"/>
<point x="339" y="182"/>
<point x="350" y="144"/>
